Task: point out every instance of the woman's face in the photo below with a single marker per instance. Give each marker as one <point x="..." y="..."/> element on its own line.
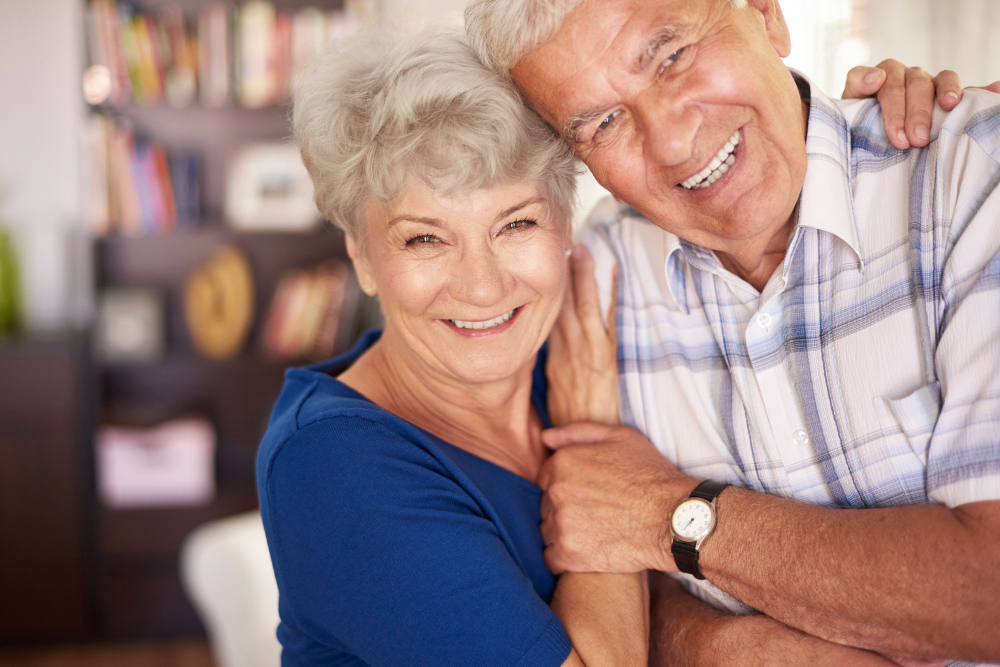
<point x="470" y="285"/>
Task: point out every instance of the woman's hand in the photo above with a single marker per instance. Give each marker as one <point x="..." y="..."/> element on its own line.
<point x="582" y="367"/>
<point x="907" y="96"/>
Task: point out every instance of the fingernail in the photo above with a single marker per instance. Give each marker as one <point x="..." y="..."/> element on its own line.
<point x="578" y="250"/>
<point x="953" y="95"/>
<point x="569" y="251"/>
<point x="873" y="76"/>
<point x="901" y="138"/>
<point x="921" y="132"/>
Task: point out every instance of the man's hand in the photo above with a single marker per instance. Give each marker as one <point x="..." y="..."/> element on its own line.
<point x="907" y="96"/>
<point x="582" y="368"/>
<point x="608" y="498"/>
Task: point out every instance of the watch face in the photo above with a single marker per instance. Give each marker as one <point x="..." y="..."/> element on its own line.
<point x="692" y="519"/>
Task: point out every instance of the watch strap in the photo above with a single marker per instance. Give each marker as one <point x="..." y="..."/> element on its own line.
<point x="685" y="553"/>
<point x="686" y="558"/>
<point x="708" y="490"/>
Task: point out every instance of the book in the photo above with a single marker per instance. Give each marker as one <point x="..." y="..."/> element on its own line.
<point x="134" y="186"/>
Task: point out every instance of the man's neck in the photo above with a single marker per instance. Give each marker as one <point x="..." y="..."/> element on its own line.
<point x="756" y="262"/>
<point x="757" y="265"/>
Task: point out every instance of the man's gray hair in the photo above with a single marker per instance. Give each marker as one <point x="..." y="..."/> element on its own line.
<point x="504" y="31"/>
<point x="379" y="110"/>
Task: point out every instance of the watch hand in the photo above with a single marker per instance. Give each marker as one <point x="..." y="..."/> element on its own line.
<point x="690" y="521"/>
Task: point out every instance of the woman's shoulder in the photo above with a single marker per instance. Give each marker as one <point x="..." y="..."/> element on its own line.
<point x="317" y="415"/>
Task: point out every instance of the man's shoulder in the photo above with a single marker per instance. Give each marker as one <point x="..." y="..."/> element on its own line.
<point x="976" y="117"/>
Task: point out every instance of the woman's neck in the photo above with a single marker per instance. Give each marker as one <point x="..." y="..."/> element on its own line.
<point x="493" y="420"/>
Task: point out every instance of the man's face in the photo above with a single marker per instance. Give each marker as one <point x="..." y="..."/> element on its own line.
<point x="652" y="93"/>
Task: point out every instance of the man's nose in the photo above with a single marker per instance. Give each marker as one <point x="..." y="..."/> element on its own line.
<point x="478" y="278"/>
<point x="669" y="126"/>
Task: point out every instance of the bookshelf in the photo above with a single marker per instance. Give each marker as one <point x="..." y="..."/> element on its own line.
<point x="135" y="572"/>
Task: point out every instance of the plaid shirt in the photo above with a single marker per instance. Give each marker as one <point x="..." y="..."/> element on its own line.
<point x="867" y="372"/>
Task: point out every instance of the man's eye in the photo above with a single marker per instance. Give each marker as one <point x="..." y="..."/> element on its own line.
<point x="673" y="57"/>
<point x="423" y="239"/>
<point x="607" y="121"/>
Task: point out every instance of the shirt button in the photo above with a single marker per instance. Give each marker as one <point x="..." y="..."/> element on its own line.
<point x="764" y="321"/>
<point x="801" y="438"/>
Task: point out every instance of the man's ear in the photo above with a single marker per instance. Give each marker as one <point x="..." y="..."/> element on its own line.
<point x="366" y="278"/>
<point x="774" y="24"/>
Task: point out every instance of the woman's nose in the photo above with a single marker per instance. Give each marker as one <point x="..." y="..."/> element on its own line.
<point x="479" y="279"/>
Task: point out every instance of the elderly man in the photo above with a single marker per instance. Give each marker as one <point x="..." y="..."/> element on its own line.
<point x="808" y="325"/>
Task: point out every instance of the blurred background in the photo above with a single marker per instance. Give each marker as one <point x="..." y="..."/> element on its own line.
<point x="161" y="264"/>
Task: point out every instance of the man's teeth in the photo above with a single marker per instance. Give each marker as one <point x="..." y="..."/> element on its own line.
<point x="719" y="165"/>
<point x="485" y="324"/>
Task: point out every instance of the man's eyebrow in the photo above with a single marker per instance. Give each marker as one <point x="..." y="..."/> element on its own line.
<point x="665" y="35"/>
<point x="571" y="130"/>
<point x="662" y="37"/>
<point x="537" y="199"/>
<point x="434" y="222"/>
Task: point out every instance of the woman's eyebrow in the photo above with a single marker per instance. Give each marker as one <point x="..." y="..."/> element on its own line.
<point x="537" y="199"/>
<point x="661" y="38"/>
<point x="434" y="222"/>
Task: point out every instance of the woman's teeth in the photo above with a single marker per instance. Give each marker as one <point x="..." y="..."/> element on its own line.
<point x="719" y="165"/>
<point x="485" y="324"/>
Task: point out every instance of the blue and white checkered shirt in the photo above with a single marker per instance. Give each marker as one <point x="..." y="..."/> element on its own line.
<point x="867" y="372"/>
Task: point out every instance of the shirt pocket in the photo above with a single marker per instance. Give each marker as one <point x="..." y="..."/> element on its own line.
<point x="896" y="462"/>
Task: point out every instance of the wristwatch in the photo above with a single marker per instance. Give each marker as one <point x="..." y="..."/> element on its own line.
<point x="691" y="524"/>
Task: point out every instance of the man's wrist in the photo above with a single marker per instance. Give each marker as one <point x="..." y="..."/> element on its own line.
<point x="676" y="490"/>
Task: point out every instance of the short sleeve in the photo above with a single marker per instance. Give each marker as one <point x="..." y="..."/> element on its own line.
<point x="379" y="549"/>
<point x="963" y="457"/>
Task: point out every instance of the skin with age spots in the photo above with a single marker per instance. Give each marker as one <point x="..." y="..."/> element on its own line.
<point x="648" y="113"/>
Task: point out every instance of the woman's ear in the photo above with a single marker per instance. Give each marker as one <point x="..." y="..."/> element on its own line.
<point x="366" y="278"/>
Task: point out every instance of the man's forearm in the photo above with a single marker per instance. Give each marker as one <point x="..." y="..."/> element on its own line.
<point x="686" y="632"/>
<point x="919" y="581"/>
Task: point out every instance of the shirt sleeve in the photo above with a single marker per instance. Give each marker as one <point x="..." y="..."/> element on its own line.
<point x="379" y="549"/>
<point x="963" y="457"/>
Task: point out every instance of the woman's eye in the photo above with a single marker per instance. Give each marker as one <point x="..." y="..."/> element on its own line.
<point x="517" y="224"/>
<point x="423" y="239"/>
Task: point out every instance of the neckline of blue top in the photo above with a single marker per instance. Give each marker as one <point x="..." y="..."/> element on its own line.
<point x="343" y="361"/>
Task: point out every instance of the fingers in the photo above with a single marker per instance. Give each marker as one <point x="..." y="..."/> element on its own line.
<point x="993" y="87"/>
<point x="919" y="106"/>
<point x="588" y="308"/>
<point x="579" y="433"/>
<point x="553" y="560"/>
<point x="568" y="322"/>
<point x="863" y="82"/>
<point x="949" y="89"/>
<point x="612" y="322"/>
<point x="892" y="97"/>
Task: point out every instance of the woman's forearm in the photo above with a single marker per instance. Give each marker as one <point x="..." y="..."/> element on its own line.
<point x="606" y="616"/>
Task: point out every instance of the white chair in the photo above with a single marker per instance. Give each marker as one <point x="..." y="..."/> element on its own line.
<point x="226" y="571"/>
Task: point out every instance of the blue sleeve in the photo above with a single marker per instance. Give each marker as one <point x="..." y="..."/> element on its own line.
<point x="377" y="548"/>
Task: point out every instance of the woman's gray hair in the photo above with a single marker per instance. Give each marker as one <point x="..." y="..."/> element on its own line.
<point x="378" y="110"/>
<point x="504" y="31"/>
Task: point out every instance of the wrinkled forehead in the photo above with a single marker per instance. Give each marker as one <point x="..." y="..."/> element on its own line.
<point x="601" y="44"/>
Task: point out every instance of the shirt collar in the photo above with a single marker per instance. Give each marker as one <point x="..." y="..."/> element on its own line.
<point x="827" y="202"/>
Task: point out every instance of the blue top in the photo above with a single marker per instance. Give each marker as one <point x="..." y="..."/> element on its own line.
<point x="393" y="547"/>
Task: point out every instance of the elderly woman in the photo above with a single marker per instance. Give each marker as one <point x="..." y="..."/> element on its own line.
<point x="397" y="482"/>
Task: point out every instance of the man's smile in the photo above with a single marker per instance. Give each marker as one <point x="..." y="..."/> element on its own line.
<point x="718" y="166"/>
